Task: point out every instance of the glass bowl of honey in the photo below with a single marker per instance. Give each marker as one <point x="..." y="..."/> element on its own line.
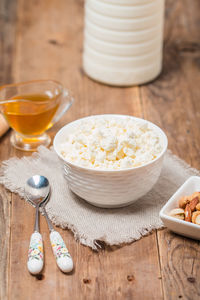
<point x="31" y="108"/>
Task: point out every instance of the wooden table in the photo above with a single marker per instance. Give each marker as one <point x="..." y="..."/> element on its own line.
<point x="43" y="39"/>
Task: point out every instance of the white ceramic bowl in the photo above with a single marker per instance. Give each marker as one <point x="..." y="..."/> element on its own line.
<point x="179" y="226"/>
<point x="105" y="188"/>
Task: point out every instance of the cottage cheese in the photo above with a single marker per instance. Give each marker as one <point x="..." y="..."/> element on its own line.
<point x="111" y="144"/>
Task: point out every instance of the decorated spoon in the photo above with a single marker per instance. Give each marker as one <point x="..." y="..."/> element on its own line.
<point x="63" y="258"/>
<point x="37" y="190"/>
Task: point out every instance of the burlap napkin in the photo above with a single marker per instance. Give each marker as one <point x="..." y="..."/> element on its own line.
<point x="88" y="223"/>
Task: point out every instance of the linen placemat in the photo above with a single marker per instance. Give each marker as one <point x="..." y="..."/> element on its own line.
<point x="90" y="224"/>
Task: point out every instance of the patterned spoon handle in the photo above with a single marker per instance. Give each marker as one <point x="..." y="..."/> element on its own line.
<point x="61" y="253"/>
<point x="35" y="254"/>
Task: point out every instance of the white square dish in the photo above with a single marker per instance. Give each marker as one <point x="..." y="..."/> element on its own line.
<point x="180" y="226"/>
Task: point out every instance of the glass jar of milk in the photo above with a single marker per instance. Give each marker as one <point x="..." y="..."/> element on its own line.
<point x="123" y="40"/>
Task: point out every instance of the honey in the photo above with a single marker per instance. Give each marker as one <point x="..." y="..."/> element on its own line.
<point x="30" y="114"/>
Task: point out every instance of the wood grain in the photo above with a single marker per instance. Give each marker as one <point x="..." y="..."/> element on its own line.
<point x="49" y="45"/>
<point x="113" y="273"/>
<point x="47" y="27"/>
<point x="5" y="220"/>
<point x="7" y="39"/>
<point x="180" y="266"/>
<point x="7" y="46"/>
<point x="172" y="101"/>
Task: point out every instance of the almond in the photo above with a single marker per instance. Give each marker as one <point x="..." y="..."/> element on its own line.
<point x="177" y="213"/>
<point x="198" y="206"/>
<point x="193" y="203"/>
<point x="196" y="217"/>
<point x="183" y="201"/>
<point x="194" y="195"/>
<point x="188" y="213"/>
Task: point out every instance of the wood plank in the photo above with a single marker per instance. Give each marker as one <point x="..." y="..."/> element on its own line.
<point x="49" y="45"/>
<point x="7" y="39"/>
<point x="180" y="266"/>
<point x="5" y="210"/>
<point x="172" y="102"/>
<point x="113" y="273"/>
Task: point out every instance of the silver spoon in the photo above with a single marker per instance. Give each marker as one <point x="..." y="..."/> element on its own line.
<point x="61" y="253"/>
<point x="37" y="190"/>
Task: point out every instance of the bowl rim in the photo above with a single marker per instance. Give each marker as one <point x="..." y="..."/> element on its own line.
<point x="107" y="170"/>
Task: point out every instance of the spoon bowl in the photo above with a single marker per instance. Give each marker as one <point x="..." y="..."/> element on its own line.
<point x="37" y="189"/>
